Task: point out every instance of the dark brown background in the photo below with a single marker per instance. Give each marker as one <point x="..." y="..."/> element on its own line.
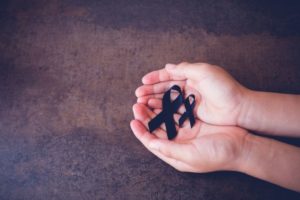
<point x="68" y="71"/>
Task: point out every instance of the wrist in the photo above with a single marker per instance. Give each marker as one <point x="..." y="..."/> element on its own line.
<point x="246" y="148"/>
<point x="257" y="154"/>
<point x="245" y="117"/>
<point x="270" y="160"/>
<point x="243" y="153"/>
<point x="245" y="145"/>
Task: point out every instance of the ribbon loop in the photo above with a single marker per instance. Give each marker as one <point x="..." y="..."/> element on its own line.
<point x="171" y="107"/>
<point x="189" y="111"/>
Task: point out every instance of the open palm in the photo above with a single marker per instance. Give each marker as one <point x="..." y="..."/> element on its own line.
<point x="202" y="148"/>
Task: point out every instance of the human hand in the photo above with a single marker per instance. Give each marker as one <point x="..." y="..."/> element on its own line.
<point x="219" y="98"/>
<point x="203" y="148"/>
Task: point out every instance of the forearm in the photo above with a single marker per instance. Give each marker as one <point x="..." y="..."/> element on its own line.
<point x="273" y="113"/>
<point x="272" y="161"/>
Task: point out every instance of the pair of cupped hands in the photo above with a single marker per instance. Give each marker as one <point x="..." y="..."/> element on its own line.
<point x="215" y="142"/>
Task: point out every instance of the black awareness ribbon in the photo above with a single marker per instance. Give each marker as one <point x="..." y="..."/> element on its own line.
<point x="171" y="107"/>
<point x="189" y="111"/>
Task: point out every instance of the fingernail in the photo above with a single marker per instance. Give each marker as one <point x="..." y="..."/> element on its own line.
<point x="170" y="66"/>
<point x="154" y="146"/>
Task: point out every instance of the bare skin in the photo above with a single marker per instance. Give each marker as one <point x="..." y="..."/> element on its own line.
<point x="217" y="141"/>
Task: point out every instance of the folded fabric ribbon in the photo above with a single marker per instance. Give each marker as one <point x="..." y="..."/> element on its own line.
<point x="171" y="107"/>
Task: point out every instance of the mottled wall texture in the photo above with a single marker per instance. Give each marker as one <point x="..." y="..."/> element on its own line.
<point x="68" y="71"/>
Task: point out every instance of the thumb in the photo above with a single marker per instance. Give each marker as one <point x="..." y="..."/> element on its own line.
<point x="192" y="71"/>
<point x="182" y="152"/>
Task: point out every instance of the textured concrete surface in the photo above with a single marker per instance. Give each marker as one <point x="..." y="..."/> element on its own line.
<point x="68" y="71"/>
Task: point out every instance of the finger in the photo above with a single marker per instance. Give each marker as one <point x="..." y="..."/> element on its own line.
<point x="145" y="137"/>
<point x="144" y="115"/>
<point x="194" y="71"/>
<point x="155" y="103"/>
<point x="159" y="76"/>
<point x="157" y="88"/>
<point x="145" y="99"/>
